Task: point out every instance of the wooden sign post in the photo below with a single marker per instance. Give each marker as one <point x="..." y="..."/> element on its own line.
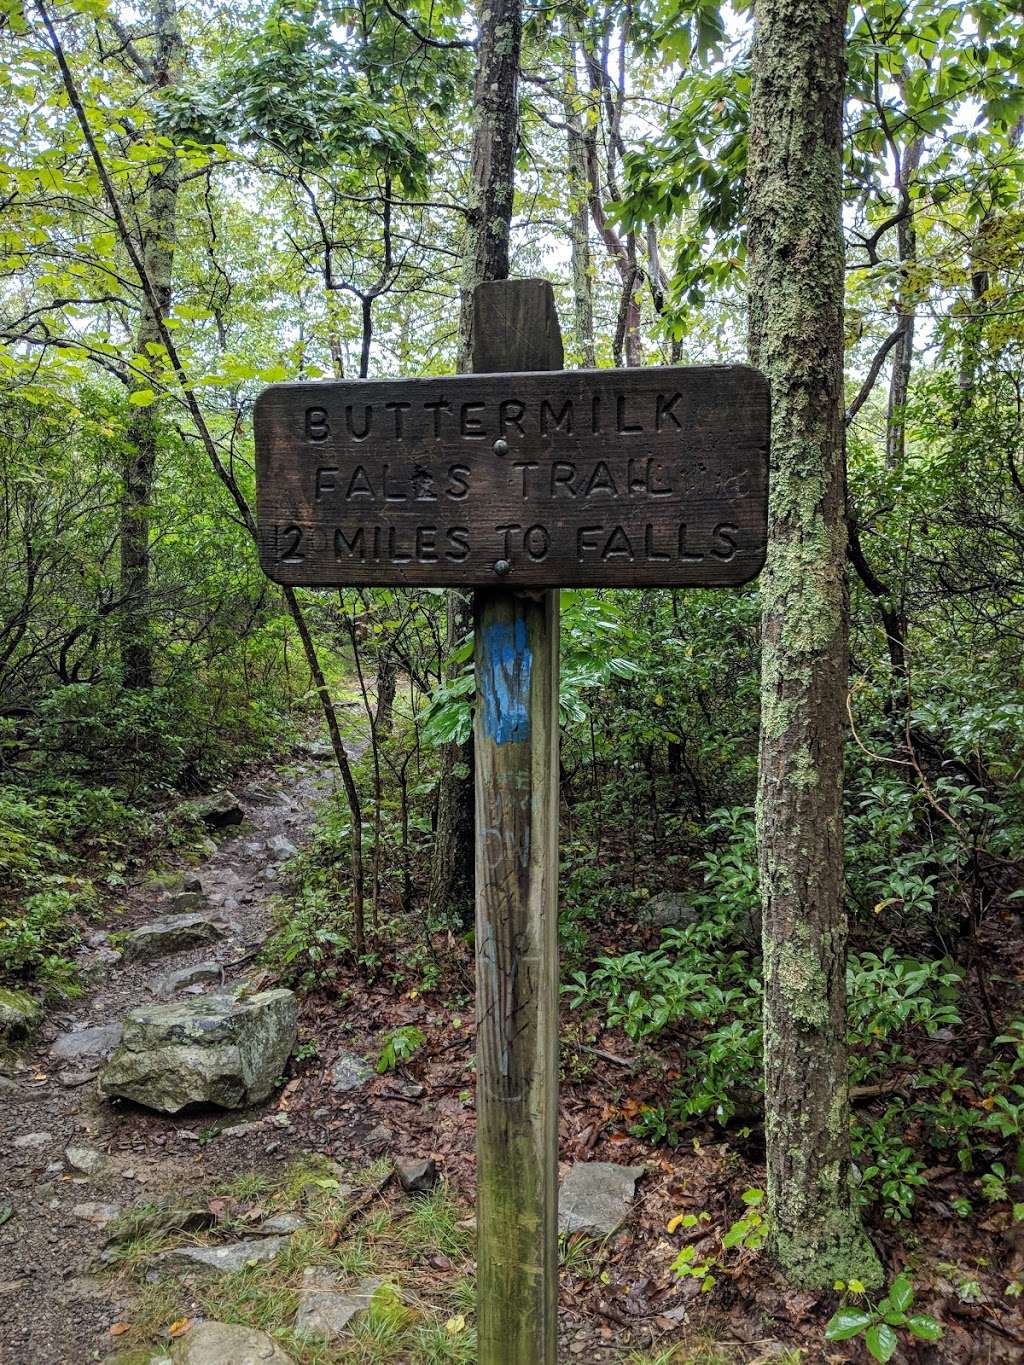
<point x="515" y="327"/>
<point x="516" y="480"/>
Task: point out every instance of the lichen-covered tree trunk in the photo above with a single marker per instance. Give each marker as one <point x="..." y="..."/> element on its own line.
<point x="796" y="316"/>
<point x="158" y="239"/>
<point x="489" y="226"/>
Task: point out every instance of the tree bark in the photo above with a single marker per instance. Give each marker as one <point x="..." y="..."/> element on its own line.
<point x="796" y="324"/>
<point x="489" y="226"/>
<point x="141" y="437"/>
<point x="906" y="311"/>
<point x="495" y="139"/>
<point x="579" y="224"/>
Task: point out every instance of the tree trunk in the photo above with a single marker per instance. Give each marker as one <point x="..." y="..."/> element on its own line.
<point x="158" y="240"/>
<point x="489" y="220"/>
<point x="495" y="139"/>
<point x="452" y="865"/>
<point x="579" y="222"/>
<point x="906" y="309"/>
<point x="796" y="307"/>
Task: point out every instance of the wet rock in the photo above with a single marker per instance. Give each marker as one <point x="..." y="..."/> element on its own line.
<point x="281" y="847"/>
<point x="221" y="1343"/>
<point x="88" y="1161"/>
<point x="94" y="1043"/>
<point x="220" y="810"/>
<point x="668" y="910"/>
<point x="325" y="1310"/>
<point x="416" y="1175"/>
<point x="199" y="974"/>
<point x="19" y="1013"/>
<point x="596" y="1197"/>
<point x="99" y="1214"/>
<point x="170" y="934"/>
<point x="205" y="1262"/>
<point x="213" y="1050"/>
<point x="349" y="1071"/>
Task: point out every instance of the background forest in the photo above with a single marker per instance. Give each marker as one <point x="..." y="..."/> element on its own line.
<point x="294" y="180"/>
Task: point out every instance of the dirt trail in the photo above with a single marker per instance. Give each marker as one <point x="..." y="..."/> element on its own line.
<point x="51" y="1310"/>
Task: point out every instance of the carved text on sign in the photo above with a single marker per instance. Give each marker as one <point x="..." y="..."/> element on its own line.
<point x="600" y="477"/>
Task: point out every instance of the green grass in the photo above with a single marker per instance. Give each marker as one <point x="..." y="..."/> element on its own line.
<point x="420" y="1316"/>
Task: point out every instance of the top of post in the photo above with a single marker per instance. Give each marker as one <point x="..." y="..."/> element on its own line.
<point x="515" y="327"/>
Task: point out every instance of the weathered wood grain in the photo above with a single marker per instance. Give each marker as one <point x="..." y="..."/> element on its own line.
<point x="516" y="771"/>
<point x="578" y="478"/>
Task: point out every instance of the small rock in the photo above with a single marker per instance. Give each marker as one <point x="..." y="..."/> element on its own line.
<point x="19" y="1012"/>
<point x="26" y="1140"/>
<point x="668" y="910"/>
<point x="190" y="882"/>
<point x="221" y="1343"/>
<point x="212" y="1050"/>
<point x="97" y="938"/>
<point x="596" y="1196"/>
<point x="416" y="1175"/>
<point x="170" y="934"/>
<point x="95" y="1042"/>
<point x="218" y="1260"/>
<point x="72" y="1079"/>
<point x="325" y="1310"/>
<point x="138" y="1223"/>
<point x="237" y="1130"/>
<point x="88" y="1161"/>
<point x="281" y="847"/>
<point x="349" y="1071"/>
<point x="404" y="1090"/>
<point x="187" y="903"/>
<point x="97" y="1213"/>
<point x="380" y="1137"/>
<point x="282" y="1224"/>
<point x="199" y="974"/>
<point x="220" y="810"/>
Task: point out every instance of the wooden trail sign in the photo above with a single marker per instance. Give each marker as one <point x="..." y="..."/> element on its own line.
<point x="517" y="483"/>
<point x="613" y="478"/>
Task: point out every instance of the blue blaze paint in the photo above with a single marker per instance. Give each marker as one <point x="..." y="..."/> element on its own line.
<point x="506" y="682"/>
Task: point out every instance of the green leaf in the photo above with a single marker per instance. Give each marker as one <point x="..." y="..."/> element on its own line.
<point x="901" y="1295"/>
<point x="881" y="1341"/>
<point x="141" y="398"/>
<point x="924" y="1327"/>
<point x="847" y="1323"/>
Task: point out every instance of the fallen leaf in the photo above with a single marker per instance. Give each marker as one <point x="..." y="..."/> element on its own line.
<point x="119" y="1329"/>
<point x="179" y="1328"/>
<point x="455" y="1325"/>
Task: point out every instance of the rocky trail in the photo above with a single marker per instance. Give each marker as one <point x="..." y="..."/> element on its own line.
<point x="144" y="1128"/>
<point x="72" y="1160"/>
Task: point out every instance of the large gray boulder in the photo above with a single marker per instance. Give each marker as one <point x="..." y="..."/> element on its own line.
<point x="211" y="1050"/>
<point x="170" y="934"/>
<point x="222" y="1343"/>
<point x="220" y="810"/>
<point x="596" y="1197"/>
